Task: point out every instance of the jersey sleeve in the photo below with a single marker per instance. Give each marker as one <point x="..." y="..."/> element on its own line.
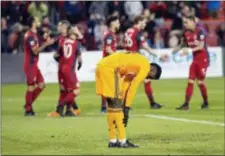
<point x="135" y="83"/>
<point x="31" y="42"/>
<point x="108" y="40"/>
<point x="201" y="35"/>
<point x="140" y="38"/>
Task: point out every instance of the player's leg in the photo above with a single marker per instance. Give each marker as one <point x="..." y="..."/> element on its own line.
<point x="40" y="85"/>
<point x="149" y="93"/>
<point x="31" y="82"/>
<point x="190" y="87"/>
<point x="201" y="77"/>
<point x="73" y="89"/>
<point x="74" y="105"/>
<point x="62" y="95"/>
<point x="29" y="99"/>
<point x="112" y="129"/>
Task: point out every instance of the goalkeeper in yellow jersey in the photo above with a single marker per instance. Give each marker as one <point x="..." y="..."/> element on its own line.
<point x="117" y="78"/>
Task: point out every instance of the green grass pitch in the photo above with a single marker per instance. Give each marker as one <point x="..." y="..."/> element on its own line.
<point x="88" y="133"/>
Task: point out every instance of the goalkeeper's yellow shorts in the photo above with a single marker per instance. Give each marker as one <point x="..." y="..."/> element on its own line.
<point x="108" y="82"/>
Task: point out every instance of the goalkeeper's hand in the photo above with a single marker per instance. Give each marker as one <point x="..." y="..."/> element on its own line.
<point x="56" y="57"/>
<point x="79" y="65"/>
<point x="126" y="115"/>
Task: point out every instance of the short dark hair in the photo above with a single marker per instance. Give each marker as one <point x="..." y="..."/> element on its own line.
<point x="159" y="70"/>
<point x="137" y="19"/>
<point x="111" y="19"/>
<point x="30" y="21"/>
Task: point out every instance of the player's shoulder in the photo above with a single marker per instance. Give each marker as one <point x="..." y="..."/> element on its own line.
<point x="27" y="34"/>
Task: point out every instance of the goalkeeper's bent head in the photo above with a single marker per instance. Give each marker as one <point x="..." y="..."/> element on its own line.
<point x="155" y="71"/>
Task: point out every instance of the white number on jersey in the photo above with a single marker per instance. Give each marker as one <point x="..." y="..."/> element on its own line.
<point x="128" y="38"/>
<point x="67" y="50"/>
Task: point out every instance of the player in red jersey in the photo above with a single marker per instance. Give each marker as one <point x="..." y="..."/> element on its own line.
<point x="70" y="49"/>
<point x="34" y="78"/>
<point x="109" y="44"/>
<point x="194" y="38"/>
<point x="134" y="41"/>
<point x="63" y="28"/>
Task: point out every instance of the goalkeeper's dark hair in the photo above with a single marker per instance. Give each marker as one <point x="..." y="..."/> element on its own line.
<point x="159" y="70"/>
<point x="111" y="19"/>
<point x="30" y="21"/>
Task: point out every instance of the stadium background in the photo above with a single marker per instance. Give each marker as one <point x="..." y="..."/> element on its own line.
<point x="157" y="132"/>
<point x="162" y="31"/>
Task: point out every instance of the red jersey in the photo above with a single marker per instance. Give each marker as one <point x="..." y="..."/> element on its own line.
<point x="192" y="39"/>
<point x="60" y="44"/>
<point x="30" y="41"/>
<point x="109" y="39"/>
<point x="70" y="49"/>
<point x="133" y="39"/>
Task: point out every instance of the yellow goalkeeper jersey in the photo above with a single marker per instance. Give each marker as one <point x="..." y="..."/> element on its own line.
<point x="128" y="63"/>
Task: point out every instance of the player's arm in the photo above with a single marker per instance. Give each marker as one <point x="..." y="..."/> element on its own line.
<point x="132" y="90"/>
<point x="180" y="46"/>
<point x="80" y="36"/>
<point x="108" y="43"/>
<point x="201" y="45"/>
<point x="79" y="56"/>
<point x="135" y="83"/>
<point x="56" y="55"/>
<point x="145" y="46"/>
<point x="34" y="46"/>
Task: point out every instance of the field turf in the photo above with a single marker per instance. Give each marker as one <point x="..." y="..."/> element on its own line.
<point x="166" y="131"/>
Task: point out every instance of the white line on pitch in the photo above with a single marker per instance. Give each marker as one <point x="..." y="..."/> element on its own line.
<point x="183" y="120"/>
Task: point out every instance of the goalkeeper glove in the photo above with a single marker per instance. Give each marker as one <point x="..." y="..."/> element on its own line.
<point x="126" y="115"/>
<point x="79" y="65"/>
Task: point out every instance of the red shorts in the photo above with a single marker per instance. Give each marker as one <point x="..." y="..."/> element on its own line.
<point x="198" y="71"/>
<point x="33" y="75"/>
<point x="70" y="80"/>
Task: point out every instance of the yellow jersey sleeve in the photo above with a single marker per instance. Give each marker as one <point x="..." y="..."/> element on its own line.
<point x="141" y="75"/>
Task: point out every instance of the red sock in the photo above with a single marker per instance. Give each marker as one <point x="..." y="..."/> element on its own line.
<point x="203" y="90"/>
<point x="29" y="99"/>
<point x="69" y="97"/>
<point x="104" y="102"/>
<point x="62" y="95"/>
<point x="149" y="92"/>
<point x="189" y="92"/>
<point x="37" y="92"/>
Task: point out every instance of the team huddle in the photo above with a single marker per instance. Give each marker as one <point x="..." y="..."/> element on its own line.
<point x="118" y="74"/>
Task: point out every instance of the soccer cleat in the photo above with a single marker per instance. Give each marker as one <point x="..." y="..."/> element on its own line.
<point x="54" y="114"/>
<point x="69" y="113"/>
<point x="185" y="106"/>
<point x="113" y="145"/>
<point x="155" y="106"/>
<point x="103" y="110"/>
<point x="59" y="112"/>
<point x="204" y="106"/>
<point x="127" y="144"/>
<point x="77" y="112"/>
<point x="29" y="113"/>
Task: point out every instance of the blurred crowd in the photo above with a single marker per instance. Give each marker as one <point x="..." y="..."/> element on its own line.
<point x="90" y="19"/>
